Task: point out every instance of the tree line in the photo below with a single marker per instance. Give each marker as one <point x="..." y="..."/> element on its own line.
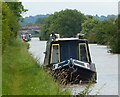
<point x="69" y="22"/>
<point x="103" y="32"/>
<point x="11" y="13"/>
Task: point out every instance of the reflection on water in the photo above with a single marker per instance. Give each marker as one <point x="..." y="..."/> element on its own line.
<point x="106" y="65"/>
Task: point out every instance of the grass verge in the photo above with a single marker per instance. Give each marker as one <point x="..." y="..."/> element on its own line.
<point x="23" y="76"/>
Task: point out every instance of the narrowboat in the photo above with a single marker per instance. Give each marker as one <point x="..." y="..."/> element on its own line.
<point x="70" y="58"/>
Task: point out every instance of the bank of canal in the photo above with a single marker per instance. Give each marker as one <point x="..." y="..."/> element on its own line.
<point x="106" y="64"/>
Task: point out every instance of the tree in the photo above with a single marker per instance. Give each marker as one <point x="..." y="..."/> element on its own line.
<point x="17" y="8"/>
<point x="114" y="36"/>
<point x="40" y="20"/>
<point x="67" y="23"/>
<point x="104" y="30"/>
<point x="107" y="32"/>
<point x="5" y="27"/>
<point x="11" y="12"/>
<point x="88" y="28"/>
<point x="101" y="33"/>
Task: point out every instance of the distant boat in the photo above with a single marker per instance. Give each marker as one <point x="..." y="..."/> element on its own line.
<point x="70" y="58"/>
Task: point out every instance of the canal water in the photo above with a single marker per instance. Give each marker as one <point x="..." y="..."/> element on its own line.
<point x="106" y="65"/>
<point x="37" y="48"/>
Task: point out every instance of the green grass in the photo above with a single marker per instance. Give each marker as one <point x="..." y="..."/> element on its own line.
<point x="23" y="76"/>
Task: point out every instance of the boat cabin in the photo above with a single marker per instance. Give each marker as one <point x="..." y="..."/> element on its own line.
<point x="65" y="48"/>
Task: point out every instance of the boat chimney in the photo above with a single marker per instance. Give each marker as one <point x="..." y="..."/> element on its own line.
<point x="80" y="36"/>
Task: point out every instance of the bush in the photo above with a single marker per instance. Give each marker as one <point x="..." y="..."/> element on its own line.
<point x="10" y="21"/>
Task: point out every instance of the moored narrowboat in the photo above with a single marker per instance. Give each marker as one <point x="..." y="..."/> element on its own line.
<point x="70" y="59"/>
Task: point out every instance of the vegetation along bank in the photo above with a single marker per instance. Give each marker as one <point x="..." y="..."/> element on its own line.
<point x="21" y="75"/>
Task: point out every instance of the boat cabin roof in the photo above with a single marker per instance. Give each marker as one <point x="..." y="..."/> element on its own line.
<point x="69" y="39"/>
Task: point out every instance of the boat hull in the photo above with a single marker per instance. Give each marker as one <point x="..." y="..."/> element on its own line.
<point x="76" y="74"/>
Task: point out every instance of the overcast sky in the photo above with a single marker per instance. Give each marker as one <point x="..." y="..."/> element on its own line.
<point x="103" y="7"/>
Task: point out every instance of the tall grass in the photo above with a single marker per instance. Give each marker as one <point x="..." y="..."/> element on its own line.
<point x="23" y="76"/>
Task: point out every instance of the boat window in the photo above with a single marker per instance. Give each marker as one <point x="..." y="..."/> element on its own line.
<point x="55" y="53"/>
<point x="83" y="52"/>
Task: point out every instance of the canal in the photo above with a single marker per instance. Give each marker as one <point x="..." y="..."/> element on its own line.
<point x="106" y="65"/>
